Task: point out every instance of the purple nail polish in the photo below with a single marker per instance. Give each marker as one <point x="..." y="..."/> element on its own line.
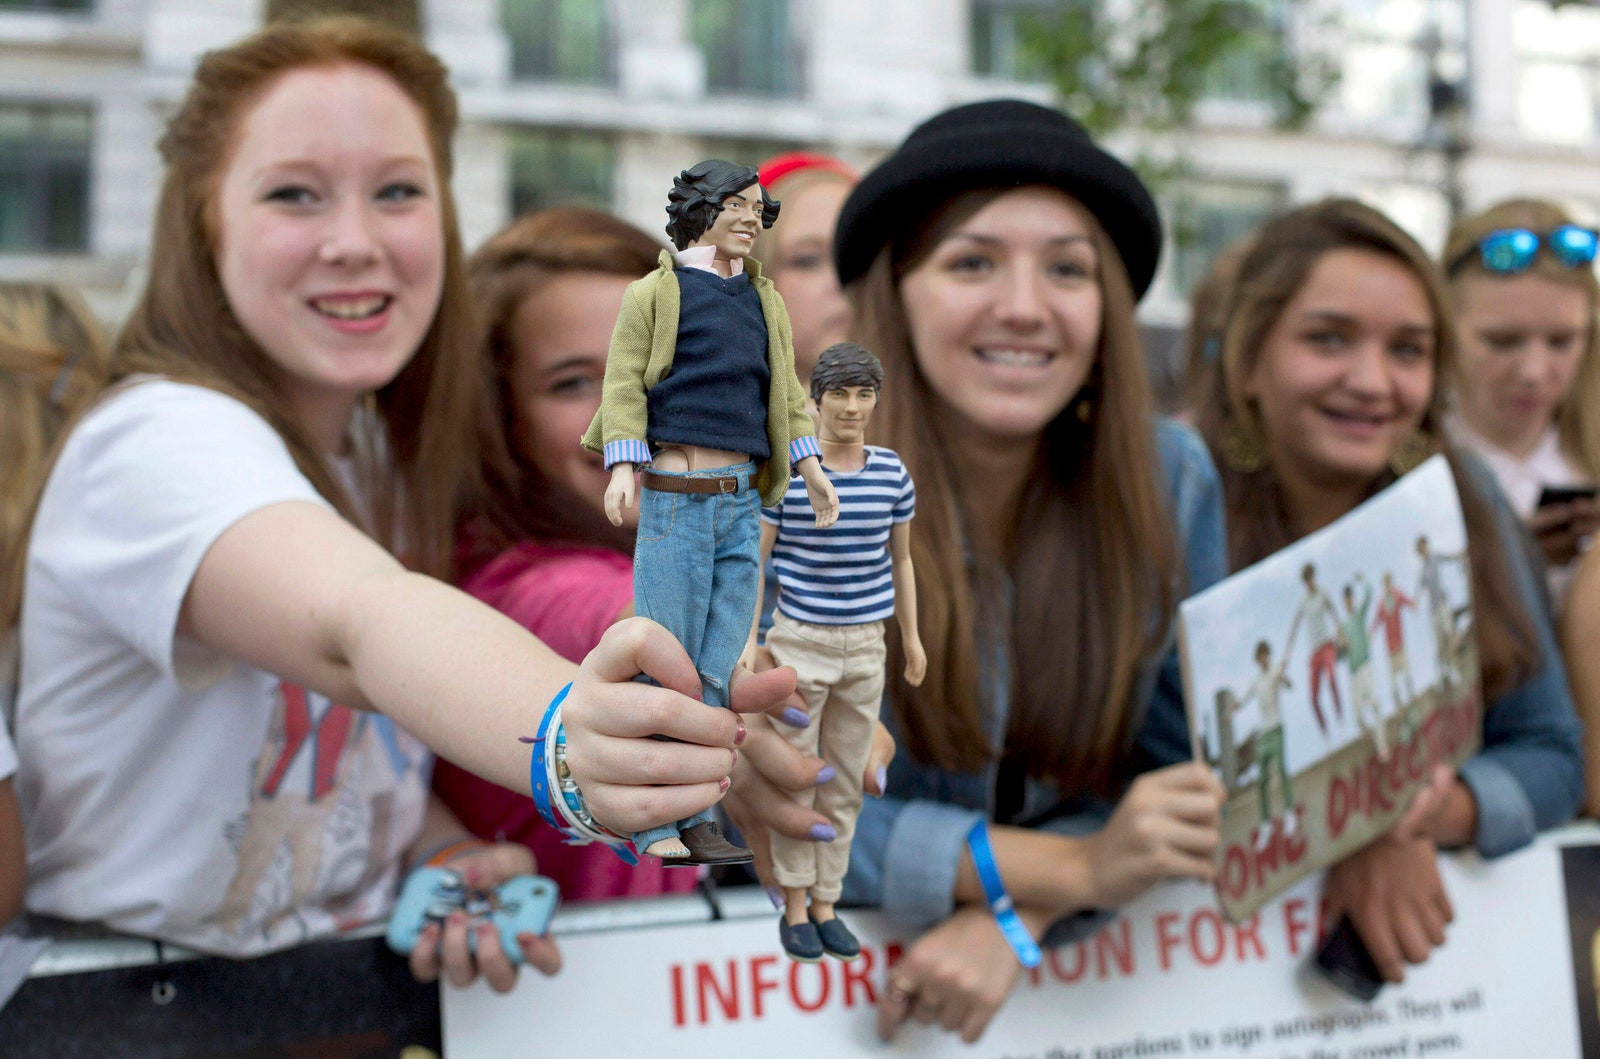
<point x="883" y="779"/>
<point x="826" y="775"/>
<point x="775" y="895"/>
<point x="823" y="833"/>
<point x="795" y="717"/>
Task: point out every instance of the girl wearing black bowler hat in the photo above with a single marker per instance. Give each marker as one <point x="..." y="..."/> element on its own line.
<point x="993" y="262"/>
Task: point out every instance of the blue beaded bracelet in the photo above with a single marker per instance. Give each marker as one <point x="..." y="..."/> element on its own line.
<point x="994" y="891"/>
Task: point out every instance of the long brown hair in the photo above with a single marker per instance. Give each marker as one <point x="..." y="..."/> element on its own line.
<point x="1094" y="564"/>
<point x="519" y="501"/>
<point x="1578" y="418"/>
<point x="52" y="362"/>
<point x="184" y="329"/>
<point x="1283" y="255"/>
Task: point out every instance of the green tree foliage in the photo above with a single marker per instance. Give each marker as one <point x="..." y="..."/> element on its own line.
<point x="1148" y="63"/>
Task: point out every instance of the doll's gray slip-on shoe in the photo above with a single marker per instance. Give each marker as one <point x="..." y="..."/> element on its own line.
<point x="837" y="941"/>
<point x="801" y="942"/>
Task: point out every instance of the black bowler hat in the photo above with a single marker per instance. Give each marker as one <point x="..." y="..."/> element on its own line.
<point x="998" y="144"/>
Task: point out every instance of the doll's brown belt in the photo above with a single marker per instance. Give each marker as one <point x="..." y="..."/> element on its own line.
<point x="671" y="483"/>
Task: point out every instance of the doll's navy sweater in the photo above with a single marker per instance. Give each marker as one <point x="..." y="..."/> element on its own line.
<point x="715" y="396"/>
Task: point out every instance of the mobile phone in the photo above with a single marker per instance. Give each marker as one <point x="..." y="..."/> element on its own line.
<point x="1565" y="494"/>
<point x="1344" y="960"/>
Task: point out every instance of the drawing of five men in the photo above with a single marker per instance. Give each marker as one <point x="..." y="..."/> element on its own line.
<point x="1333" y="638"/>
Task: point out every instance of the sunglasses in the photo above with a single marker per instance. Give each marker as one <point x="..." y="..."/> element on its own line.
<point x="1511" y="250"/>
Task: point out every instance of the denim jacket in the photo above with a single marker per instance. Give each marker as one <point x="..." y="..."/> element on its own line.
<point x="909" y="843"/>
<point x="1529" y="774"/>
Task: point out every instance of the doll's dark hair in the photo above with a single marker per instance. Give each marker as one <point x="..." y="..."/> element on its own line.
<point x="697" y="194"/>
<point x="846" y="364"/>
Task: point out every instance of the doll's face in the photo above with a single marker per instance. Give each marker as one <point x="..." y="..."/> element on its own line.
<point x="844" y="412"/>
<point x="734" y="229"/>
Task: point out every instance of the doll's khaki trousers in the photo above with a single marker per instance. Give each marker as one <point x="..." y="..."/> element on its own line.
<point x="840" y="670"/>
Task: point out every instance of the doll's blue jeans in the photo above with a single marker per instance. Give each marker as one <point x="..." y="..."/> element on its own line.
<point x="696" y="566"/>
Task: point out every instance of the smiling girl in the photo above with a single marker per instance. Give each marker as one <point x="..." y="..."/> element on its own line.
<point x="1528" y="378"/>
<point x="993" y="263"/>
<point x="226" y="671"/>
<point x="1326" y="389"/>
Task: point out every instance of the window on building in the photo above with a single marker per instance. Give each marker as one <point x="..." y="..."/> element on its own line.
<point x="1391" y="50"/>
<point x="554" y="167"/>
<point x="998" y="31"/>
<point x="746" y="151"/>
<point x="1245" y="73"/>
<point x="44" y="177"/>
<point x="1558" y="72"/>
<point x="561" y="40"/>
<point x="748" y="46"/>
<point x="1207" y="216"/>
<point x="70" y="6"/>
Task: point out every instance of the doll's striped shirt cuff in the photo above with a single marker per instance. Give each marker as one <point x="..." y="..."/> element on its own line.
<point x="802" y="447"/>
<point x="626" y="451"/>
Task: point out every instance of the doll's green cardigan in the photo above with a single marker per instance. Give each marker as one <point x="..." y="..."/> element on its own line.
<point x="641" y="353"/>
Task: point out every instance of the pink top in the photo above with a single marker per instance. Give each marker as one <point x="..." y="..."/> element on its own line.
<point x="567" y="596"/>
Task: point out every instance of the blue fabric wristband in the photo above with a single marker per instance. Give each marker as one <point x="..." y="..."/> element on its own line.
<point x="537" y="774"/>
<point x="994" y="891"/>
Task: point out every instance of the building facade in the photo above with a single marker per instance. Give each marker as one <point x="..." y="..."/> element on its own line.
<point x="601" y="101"/>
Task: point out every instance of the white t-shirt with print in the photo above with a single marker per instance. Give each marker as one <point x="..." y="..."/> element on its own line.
<point x="167" y="789"/>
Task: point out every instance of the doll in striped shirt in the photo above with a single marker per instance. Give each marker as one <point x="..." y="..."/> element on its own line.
<point x="837" y="585"/>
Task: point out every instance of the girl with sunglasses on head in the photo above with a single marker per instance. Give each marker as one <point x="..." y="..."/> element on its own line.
<point x="1325" y="391"/>
<point x="1526" y="389"/>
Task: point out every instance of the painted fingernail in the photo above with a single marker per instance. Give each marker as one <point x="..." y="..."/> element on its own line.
<point x="471" y="876"/>
<point x="795" y="717"/>
<point x="723" y="784"/>
<point x="882" y="776"/>
<point x="826" y="775"/>
<point x="739" y="733"/>
<point x="775" y="895"/>
<point x="457" y="918"/>
<point x="823" y="833"/>
<point x="732" y="764"/>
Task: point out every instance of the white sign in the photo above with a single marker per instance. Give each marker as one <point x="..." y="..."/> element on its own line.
<point x="1171" y="977"/>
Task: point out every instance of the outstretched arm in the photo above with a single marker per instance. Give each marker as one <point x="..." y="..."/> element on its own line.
<point x="295" y="590"/>
<point x="1294" y="630"/>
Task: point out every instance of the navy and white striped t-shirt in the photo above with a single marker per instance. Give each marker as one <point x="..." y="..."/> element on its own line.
<point x="842" y="575"/>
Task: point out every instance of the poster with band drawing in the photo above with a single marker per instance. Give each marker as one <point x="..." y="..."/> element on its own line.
<point x="1326" y="681"/>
